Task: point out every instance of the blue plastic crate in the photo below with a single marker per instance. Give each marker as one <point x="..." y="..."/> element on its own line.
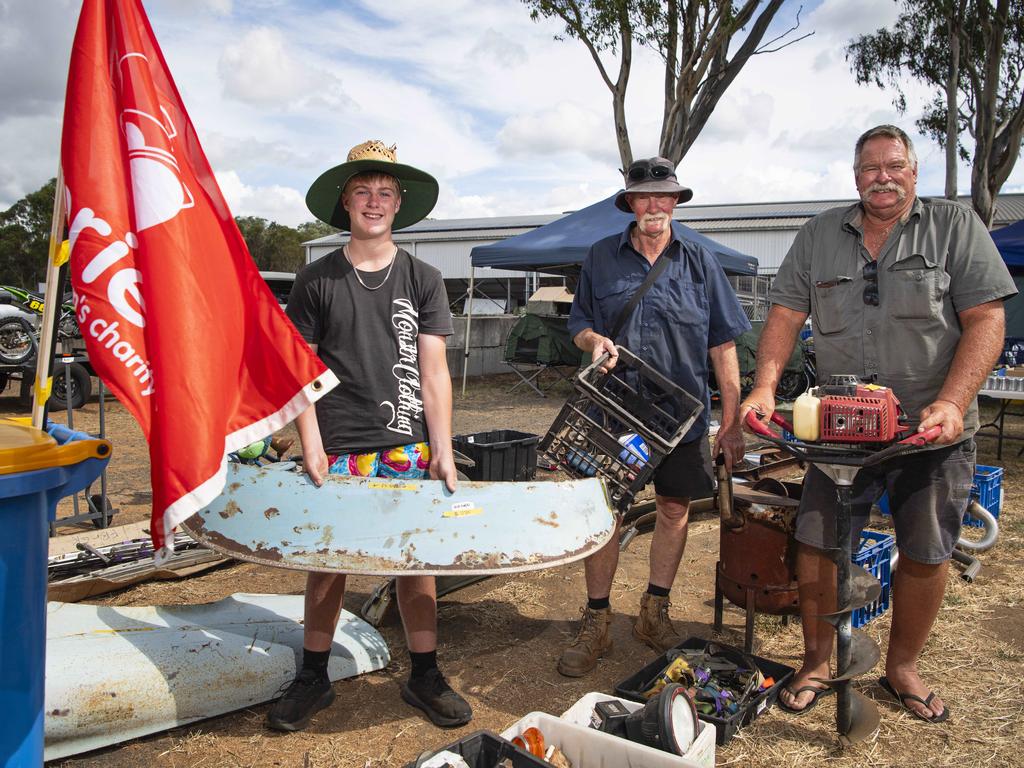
<point x="988" y="490"/>
<point x="874" y="555"/>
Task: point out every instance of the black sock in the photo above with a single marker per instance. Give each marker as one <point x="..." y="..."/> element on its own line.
<point x="316" y="661"/>
<point x="653" y="589"/>
<point x="422" y="662"/>
<point x="599" y="603"/>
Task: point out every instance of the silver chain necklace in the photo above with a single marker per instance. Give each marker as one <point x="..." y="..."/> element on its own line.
<point x="348" y="258"/>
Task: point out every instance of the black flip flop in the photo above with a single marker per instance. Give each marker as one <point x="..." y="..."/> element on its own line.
<point x="903" y="698"/>
<point x="818" y="693"/>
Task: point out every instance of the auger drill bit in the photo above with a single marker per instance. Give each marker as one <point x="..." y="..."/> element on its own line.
<point x="856" y="715"/>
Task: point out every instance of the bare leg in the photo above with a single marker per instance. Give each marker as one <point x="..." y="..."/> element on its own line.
<point x="325" y="593"/>
<point x="816" y="576"/>
<point x="670" y="529"/>
<point x="918" y="589"/>
<point x="417" y="602"/>
<point x="599" y="568"/>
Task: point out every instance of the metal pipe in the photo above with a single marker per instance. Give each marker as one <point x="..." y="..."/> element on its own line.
<point x="991" y="525"/>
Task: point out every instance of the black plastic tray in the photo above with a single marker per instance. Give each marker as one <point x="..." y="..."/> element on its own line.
<point x="725" y="727"/>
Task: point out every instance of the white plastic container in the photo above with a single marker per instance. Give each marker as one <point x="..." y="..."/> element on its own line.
<point x="586" y="747"/>
<point x="807" y="418"/>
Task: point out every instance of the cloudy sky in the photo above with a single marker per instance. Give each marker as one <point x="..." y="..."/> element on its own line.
<point x="510" y="120"/>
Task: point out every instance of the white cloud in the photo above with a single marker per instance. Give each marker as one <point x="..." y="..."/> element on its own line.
<point x="567" y="127"/>
<point x="273" y="202"/>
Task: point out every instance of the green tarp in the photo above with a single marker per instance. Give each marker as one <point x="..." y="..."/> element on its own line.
<point x="543" y="339"/>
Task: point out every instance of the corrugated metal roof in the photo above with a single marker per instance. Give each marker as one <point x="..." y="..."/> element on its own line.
<point x="725" y="217"/>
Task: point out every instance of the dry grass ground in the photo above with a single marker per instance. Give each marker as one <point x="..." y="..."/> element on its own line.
<point x="500" y="639"/>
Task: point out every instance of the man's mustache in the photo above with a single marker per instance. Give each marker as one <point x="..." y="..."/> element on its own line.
<point x="888" y="187"/>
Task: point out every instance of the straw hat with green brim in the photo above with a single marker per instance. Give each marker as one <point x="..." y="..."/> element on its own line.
<point x="419" y="189"/>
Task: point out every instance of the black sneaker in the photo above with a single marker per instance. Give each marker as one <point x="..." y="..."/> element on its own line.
<point x="308" y="693"/>
<point x="432" y="694"/>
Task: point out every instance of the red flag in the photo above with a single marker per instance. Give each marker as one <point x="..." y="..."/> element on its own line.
<point x="176" y="318"/>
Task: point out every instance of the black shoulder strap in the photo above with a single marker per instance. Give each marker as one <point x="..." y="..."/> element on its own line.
<point x="652" y="274"/>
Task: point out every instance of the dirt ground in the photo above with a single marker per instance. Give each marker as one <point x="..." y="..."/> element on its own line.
<point x="500" y="639"/>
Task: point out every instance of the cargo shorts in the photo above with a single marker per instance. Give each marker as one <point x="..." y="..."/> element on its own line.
<point x="928" y="495"/>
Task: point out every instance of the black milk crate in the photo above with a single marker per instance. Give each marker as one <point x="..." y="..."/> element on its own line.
<point x="633" y="399"/>
<point x="501" y="454"/>
<point x="484" y="749"/>
<point x="725" y="727"/>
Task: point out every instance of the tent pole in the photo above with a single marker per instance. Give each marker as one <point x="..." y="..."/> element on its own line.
<point x="469" y="320"/>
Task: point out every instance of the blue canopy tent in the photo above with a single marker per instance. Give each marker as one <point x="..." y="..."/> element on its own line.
<point x="560" y="247"/>
<point x="1010" y="242"/>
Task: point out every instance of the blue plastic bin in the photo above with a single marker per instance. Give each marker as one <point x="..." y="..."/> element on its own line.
<point x="36" y="470"/>
<point x="988" y="490"/>
<point x="875" y="555"/>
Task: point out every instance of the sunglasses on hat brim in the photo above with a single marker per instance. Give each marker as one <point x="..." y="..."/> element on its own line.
<point x="641" y="171"/>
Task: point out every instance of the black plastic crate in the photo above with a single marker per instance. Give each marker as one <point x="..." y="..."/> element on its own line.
<point x="501" y="454"/>
<point x="725" y="727"/>
<point x="641" y="396"/>
<point x="586" y="438"/>
<point x="484" y="749"/>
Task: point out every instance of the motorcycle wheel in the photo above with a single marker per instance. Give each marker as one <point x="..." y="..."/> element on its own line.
<point x="16" y="343"/>
<point x="78" y="391"/>
<point x="791" y="385"/>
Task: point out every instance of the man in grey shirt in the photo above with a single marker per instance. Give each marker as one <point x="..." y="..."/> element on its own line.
<point x="910" y="291"/>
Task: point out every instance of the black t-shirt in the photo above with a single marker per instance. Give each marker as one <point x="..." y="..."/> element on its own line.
<point x="369" y="340"/>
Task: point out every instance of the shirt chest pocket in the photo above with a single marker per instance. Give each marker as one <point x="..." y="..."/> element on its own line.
<point x="681" y="302"/>
<point x="611" y="299"/>
<point x="915" y="287"/>
<point x="832" y="307"/>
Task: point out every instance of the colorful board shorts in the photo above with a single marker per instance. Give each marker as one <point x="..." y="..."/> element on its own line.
<point x="411" y="462"/>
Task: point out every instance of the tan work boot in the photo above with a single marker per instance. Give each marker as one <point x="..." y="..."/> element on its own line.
<point x="591" y="643"/>
<point x="653" y="626"/>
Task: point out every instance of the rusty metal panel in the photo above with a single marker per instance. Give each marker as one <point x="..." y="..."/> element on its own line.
<point x="389" y="526"/>
<point x="117" y="673"/>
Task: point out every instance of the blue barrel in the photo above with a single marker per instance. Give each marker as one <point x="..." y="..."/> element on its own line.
<point x="36" y="470"/>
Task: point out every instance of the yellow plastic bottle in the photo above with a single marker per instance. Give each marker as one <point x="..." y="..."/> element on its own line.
<point x="807" y="418"/>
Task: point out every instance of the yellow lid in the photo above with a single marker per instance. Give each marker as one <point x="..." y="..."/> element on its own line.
<point x="24" y="448"/>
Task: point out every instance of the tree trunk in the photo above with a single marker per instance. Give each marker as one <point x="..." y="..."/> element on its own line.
<point x="952" y="135"/>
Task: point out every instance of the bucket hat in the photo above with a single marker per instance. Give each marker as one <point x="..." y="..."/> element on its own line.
<point x="655" y="174"/>
<point x="419" y="188"/>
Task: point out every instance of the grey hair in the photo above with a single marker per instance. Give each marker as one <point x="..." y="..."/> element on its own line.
<point x="890" y="132"/>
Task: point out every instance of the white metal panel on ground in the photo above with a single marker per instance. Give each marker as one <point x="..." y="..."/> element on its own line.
<point x="118" y="673"/>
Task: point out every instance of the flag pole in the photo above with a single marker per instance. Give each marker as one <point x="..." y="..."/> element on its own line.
<point x="51" y="307"/>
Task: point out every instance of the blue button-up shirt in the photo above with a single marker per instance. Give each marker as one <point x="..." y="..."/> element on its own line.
<point x="690" y="308"/>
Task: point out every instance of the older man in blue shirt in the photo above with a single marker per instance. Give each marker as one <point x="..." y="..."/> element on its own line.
<point x="690" y="313"/>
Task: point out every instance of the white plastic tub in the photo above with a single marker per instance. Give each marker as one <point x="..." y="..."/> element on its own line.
<point x="586" y="747"/>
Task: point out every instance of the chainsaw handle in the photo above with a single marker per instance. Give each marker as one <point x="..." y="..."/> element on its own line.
<point x="754" y="424"/>
<point x="922" y="438"/>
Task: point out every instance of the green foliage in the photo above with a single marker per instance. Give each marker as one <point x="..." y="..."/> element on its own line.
<point x="278" y="248"/>
<point x="918" y="45"/>
<point x="986" y="83"/>
<point x="25" y="238"/>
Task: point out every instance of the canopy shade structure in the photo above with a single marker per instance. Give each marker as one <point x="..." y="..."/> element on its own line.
<point x="560" y="247"/>
<point x="1010" y="242"/>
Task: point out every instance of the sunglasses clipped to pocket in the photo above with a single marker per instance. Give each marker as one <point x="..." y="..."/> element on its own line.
<point x="870" y="275"/>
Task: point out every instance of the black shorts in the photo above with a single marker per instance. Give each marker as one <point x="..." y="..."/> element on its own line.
<point x="687" y="472"/>
<point x="928" y="495"/>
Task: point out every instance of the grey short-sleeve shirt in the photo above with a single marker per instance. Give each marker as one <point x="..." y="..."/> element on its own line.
<point x="939" y="262"/>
